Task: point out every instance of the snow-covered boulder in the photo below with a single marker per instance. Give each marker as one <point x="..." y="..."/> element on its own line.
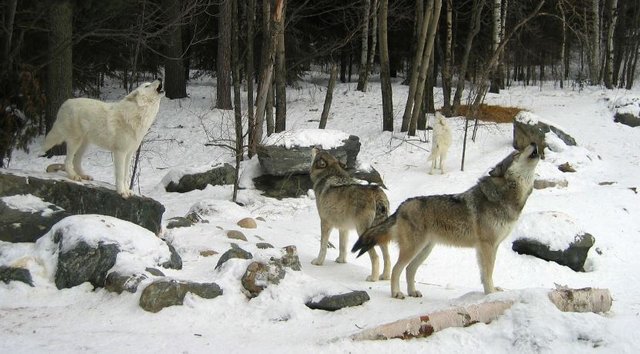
<point x="183" y="181"/>
<point x="529" y="128"/>
<point x="289" y="152"/>
<point x="82" y="198"/>
<point x="25" y="217"/>
<point x="86" y="248"/>
<point x="169" y="292"/>
<point x="337" y="302"/>
<point x="553" y="236"/>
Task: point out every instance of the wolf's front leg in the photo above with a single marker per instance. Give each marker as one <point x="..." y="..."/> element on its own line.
<point x="325" y="230"/>
<point x="120" y="168"/>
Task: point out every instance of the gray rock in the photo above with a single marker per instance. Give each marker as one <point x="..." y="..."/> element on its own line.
<point x="216" y="176"/>
<point x="8" y="274"/>
<point x="234" y="252"/>
<point x="573" y="257"/>
<point x="179" y="221"/>
<point x="236" y="235"/>
<point x="154" y="271"/>
<point x="337" y="302"/>
<point x="84" y="263"/>
<point x="175" y="262"/>
<point x="280" y="161"/>
<point x="24" y="226"/>
<point x="117" y="283"/>
<point x="525" y="134"/>
<point x="296" y="185"/>
<point x="264" y="245"/>
<point x="84" y="198"/>
<point x="259" y="275"/>
<point x="169" y="292"/>
<point x="627" y="119"/>
<point x="289" y="258"/>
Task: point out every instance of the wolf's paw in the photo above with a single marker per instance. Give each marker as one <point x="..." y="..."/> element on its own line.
<point x="126" y="193"/>
<point x="415" y="293"/>
<point x="385" y="276"/>
<point x="317" y="262"/>
<point x="86" y="177"/>
<point x="398" y="295"/>
<point x="373" y="278"/>
<point x="76" y="178"/>
<point x="341" y="259"/>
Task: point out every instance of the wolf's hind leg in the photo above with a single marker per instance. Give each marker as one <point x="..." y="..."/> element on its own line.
<point x="375" y="265"/>
<point x="344" y="243"/>
<point x="412" y="268"/>
<point x="386" y="271"/>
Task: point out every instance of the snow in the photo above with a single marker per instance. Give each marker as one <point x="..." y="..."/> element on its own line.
<point x="599" y="199"/>
<point x="29" y="204"/>
<point x="325" y="138"/>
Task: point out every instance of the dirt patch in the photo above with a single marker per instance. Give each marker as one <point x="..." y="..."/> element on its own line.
<point x="489" y="113"/>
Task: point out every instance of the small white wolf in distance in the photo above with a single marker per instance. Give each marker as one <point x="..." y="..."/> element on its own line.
<point x="344" y="203"/>
<point x="116" y="126"/>
<point x="440" y="143"/>
<point x="479" y="218"/>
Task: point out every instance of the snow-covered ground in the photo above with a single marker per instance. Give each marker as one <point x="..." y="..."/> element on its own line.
<point x="598" y="200"/>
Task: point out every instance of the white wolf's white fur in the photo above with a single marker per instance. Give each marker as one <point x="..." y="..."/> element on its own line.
<point x="116" y="126"/>
<point x="440" y="144"/>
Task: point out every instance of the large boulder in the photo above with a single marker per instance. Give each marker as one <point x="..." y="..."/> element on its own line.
<point x="296" y="185"/>
<point x="86" y="248"/>
<point x="169" y="292"/>
<point x="25" y="218"/>
<point x="83" y="198"/>
<point x="528" y="128"/>
<point x="289" y="152"/>
<point x="627" y="119"/>
<point x="186" y="181"/>
<point x="554" y="237"/>
<point x="8" y="274"/>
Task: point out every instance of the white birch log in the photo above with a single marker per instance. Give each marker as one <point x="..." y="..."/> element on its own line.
<point x="565" y="299"/>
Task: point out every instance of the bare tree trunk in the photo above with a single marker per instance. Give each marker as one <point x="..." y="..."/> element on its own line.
<point x="424" y="66"/>
<point x="448" y="60"/>
<point x="385" y="73"/>
<point x="594" y="53"/>
<point x="329" y="97"/>
<point x="268" y="111"/>
<point x="59" y="70"/>
<point x="613" y="18"/>
<point x="374" y="40"/>
<point x="251" y="18"/>
<point x="476" y="17"/>
<point x="267" y="70"/>
<point x="364" y="45"/>
<point x="237" y="105"/>
<point x="563" y="44"/>
<point x="423" y="29"/>
<point x="495" y="41"/>
<point x="9" y="18"/>
<point x="223" y="60"/>
<point x="281" y="77"/>
<point x="175" y="83"/>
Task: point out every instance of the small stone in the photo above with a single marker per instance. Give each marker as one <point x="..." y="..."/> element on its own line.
<point x="566" y="167"/>
<point x="236" y="235"/>
<point x="247" y="223"/>
<point x="208" y="253"/>
<point x="264" y="245"/>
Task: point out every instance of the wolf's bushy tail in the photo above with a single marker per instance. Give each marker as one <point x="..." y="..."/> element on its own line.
<point x="375" y="235"/>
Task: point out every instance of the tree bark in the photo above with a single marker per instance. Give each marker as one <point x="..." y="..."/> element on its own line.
<point x="59" y="70"/>
<point x="266" y="76"/>
<point x="374" y="41"/>
<point x="385" y="73"/>
<point x="175" y="83"/>
<point x="237" y="105"/>
<point x="223" y="61"/>
<point x="251" y="18"/>
<point x="281" y="77"/>
<point x="364" y="45"/>
<point x="594" y="53"/>
<point x="613" y="18"/>
<point x="495" y="41"/>
<point x="424" y="66"/>
<point x="448" y="60"/>
<point x="329" y="97"/>
<point x="8" y="21"/>
<point x="476" y="17"/>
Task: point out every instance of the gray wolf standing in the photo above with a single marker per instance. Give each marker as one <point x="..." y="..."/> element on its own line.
<point x="479" y="218"/>
<point x="345" y="204"/>
<point x="116" y="126"/>
<point x="440" y="143"/>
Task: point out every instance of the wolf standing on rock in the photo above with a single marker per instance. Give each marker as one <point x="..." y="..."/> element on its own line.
<point x="346" y="204"/>
<point x="479" y="218"/>
<point x="116" y="126"/>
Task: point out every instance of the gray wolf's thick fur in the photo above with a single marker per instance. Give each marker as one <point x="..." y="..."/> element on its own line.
<point x="116" y="126"/>
<point x="344" y="203"/>
<point x="479" y="218"/>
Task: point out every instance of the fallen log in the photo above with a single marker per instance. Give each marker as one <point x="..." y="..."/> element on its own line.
<point x="565" y="299"/>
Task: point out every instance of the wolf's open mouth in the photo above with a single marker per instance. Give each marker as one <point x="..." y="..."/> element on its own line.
<point x="159" y="89"/>
<point x="534" y="153"/>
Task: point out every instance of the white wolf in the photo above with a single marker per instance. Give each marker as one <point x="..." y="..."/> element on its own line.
<point x="440" y="144"/>
<point x="116" y="126"/>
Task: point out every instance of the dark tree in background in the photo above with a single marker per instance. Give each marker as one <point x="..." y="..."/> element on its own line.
<point x="175" y="84"/>
<point x="223" y="62"/>
<point x="59" y="68"/>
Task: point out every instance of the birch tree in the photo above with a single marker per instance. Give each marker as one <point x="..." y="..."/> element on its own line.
<point x="448" y="59"/>
<point x="495" y="42"/>
<point x="612" y="11"/>
<point x="281" y="76"/>
<point x="364" y="45"/>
